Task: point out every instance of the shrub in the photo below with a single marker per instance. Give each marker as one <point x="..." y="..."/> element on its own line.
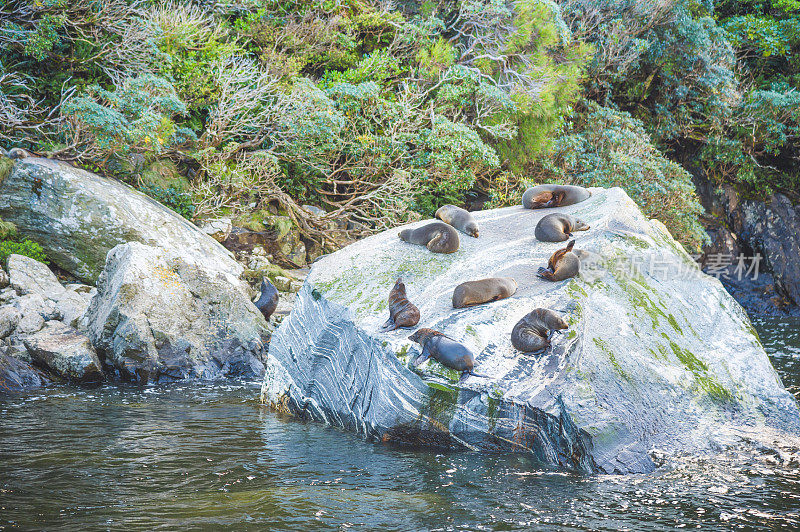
<point x="23" y="247"/>
<point x="180" y="202"/>
<point x="138" y="116"/>
<point x="608" y="148"/>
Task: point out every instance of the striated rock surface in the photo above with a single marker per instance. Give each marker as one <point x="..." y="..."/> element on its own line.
<point x="159" y="317"/>
<point x="66" y="352"/>
<point x="78" y="217"/>
<point x="657" y="356"/>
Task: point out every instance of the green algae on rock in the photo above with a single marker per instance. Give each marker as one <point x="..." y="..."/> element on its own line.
<point x="657" y="356"/>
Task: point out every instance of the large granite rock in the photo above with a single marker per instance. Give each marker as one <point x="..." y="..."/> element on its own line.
<point x="78" y="217"/>
<point x="158" y="316"/>
<point x="29" y="276"/>
<point x="657" y="356"/>
<point x="66" y="352"/>
<point x="9" y="319"/>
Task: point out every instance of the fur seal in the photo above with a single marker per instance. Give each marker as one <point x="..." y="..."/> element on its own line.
<point x="459" y="218"/>
<point x="268" y="300"/>
<point x="544" y="196"/>
<point x="530" y="334"/>
<point x="437" y="237"/>
<point x="563" y="264"/>
<point x="558" y="227"/>
<point x="402" y="312"/>
<point x="483" y="291"/>
<point x="446" y="350"/>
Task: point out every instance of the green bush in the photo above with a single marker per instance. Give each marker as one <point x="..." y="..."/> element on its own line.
<point x="178" y="201"/>
<point x="23" y="247"/>
<point x="608" y="148"/>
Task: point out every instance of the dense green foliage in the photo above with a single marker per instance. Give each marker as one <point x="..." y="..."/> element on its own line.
<point x="375" y="112"/>
<point x="609" y="148"/>
<point x="21" y="247"/>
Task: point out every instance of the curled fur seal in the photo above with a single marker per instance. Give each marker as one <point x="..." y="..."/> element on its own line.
<point x="544" y="196"/>
<point x="531" y="333"/>
<point x="402" y="312"/>
<point x="446" y="350"/>
<point x="436" y="236"/>
<point x="558" y="227"/>
<point x="459" y="218"/>
<point x="472" y="293"/>
<point x="268" y="300"/>
<point x="568" y="262"/>
<point x="563" y="264"/>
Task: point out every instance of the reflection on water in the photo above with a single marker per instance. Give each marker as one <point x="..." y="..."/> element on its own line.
<point x="192" y="456"/>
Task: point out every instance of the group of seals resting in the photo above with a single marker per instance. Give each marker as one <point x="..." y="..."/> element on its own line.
<point x="545" y="196"/>
<point x="530" y="334"/>
<point x="472" y="293"/>
<point x="558" y="227"/>
<point x="437" y="237"/>
<point x="446" y="350"/>
<point x="402" y="312"/>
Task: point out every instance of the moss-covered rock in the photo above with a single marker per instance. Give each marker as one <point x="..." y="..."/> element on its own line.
<point x="657" y="355"/>
<point x="78" y="217"/>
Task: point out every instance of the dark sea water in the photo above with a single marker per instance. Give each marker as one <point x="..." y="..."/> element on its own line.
<point x="190" y="457"/>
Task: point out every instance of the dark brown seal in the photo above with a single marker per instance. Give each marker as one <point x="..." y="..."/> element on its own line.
<point x="563" y="264"/>
<point x="446" y="350"/>
<point x="436" y="236"/>
<point x="268" y="300"/>
<point x="558" y="227"/>
<point x="531" y="333"/>
<point x="402" y="312"/>
<point x="545" y="196"/>
<point x="459" y="218"/>
<point x="472" y="293"/>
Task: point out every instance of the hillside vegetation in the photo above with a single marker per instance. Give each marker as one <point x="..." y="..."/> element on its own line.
<point x="379" y="113"/>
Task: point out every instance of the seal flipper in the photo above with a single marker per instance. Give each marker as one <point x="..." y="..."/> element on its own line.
<point x="466" y="373"/>
<point x="542" y="271"/>
<point x="389" y="325"/>
<point x="425" y="355"/>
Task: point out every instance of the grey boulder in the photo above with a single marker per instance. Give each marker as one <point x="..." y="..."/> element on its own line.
<point x="157" y="317"/>
<point x="29" y="276"/>
<point x="66" y="352"/>
<point x="9" y="319"/>
<point x="658" y="356"/>
<point x="78" y="217"/>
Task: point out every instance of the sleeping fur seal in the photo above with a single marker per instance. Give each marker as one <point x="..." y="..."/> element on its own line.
<point x="446" y="350"/>
<point x="530" y="334"/>
<point x="402" y="312"/>
<point x="459" y="218"/>
<point x="268" y="300"/>
<point x="436" y="236"/>
<point x="558" y="227"/>
<point x="544" y="196"/>
<point x="472" y="293"/>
